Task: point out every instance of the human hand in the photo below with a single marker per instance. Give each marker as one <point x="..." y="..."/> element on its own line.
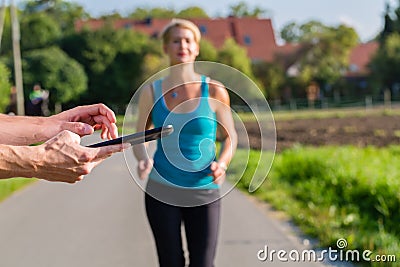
<point x="83" y="120"/>
<point x="144" y="167"/>
<point x="63" y="159"/>
<point x="218" y="171"/>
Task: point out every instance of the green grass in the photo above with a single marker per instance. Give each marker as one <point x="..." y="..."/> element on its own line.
<point x="9" y="186"/>
<point x="337" y="192"/>
<point x="324" y="113"/>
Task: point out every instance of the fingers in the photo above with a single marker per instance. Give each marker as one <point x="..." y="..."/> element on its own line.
<point x="144" y="168"/>
<point x="218" y="173"/>
<point x="105" y="111"/>
<point x="79" y="128"/>
<point x="65" y="160"/>
<point x="97" y="116"/>
<point x="106" y="151"/>
<point x="98" y="109"/>
<point x="108" y="130"/>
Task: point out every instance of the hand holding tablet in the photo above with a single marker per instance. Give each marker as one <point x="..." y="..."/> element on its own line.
<point x="138" y="138"/>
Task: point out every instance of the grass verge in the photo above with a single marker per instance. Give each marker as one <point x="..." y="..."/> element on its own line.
<point x="9" y="186"/>
<point x="337" y="192"/>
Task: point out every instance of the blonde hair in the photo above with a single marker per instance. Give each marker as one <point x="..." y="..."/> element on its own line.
<point x="183" y="23"/>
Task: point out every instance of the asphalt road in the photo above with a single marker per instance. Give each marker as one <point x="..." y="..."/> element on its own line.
<point x="101" y="222"/>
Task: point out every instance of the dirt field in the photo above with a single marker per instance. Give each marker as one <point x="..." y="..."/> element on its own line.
<point x="360" y="131"/>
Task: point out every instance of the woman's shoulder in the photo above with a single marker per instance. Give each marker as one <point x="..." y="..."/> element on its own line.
<point x="217" y="90"/>
<point x="146" y="92"/>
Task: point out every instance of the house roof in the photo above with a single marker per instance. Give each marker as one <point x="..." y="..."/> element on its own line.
<point x="359" y="58"/>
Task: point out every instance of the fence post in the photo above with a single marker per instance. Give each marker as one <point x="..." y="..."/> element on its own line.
<point x="387" y="99"/>
<point x="293" y="105"/>
<point x="368" y="102"/>
<point x="336" y="97"/>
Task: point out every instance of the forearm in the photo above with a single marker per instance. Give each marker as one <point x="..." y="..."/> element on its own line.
<point x="18" y="161"/>
<point x="22" y="130"/>
<point x="61" y="159"/>
<point x="228" y="148"/>
<point x="140" y="152"/>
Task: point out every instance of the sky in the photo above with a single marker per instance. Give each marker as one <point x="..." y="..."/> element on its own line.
<point x="365" y="16"/>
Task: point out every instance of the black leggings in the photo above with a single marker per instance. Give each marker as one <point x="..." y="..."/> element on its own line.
<point x="201" y="227"/>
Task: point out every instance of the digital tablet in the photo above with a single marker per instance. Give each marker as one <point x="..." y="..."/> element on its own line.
<point x="138" y="138"/>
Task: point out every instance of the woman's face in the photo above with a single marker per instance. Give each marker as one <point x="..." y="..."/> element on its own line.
<point x="181" y="46"/>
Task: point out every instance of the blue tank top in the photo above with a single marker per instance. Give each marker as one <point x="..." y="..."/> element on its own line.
<point x="183" y="159"/>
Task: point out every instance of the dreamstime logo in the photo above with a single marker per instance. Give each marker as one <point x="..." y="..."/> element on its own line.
<point x="330" y="254"/>
<point x="341" y="243"/>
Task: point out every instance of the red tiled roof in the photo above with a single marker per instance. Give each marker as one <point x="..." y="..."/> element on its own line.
<point x="359" y="58"/>
<point x="288" y="54"/>
<point x="257" y="35"/>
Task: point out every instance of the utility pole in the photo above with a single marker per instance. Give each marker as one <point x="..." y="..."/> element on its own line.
<point x="2" y="17"/>
<point x="16" y="37"/>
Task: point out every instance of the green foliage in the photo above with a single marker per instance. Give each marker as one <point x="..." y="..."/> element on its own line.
<point x="6" y="38"/>
<point x="58" y="73"/>
<point x="386" y="63"/>
<point x="339" y="192"/>
<point x="113" y="60"/>
<point x="242" y="10"/>
<point x="152" y="64"/>
<point x="62" y="12"/>
<point x="192" y="12"/>
<point x="38" y="31"/>
<point x="327" y="52"/>
<point x="391" y="22"/>
<point x="272" y="76"/>
<point x="4" y="87"/>
<point x="166" y="13"/>
<point x="144" y="13"/>
<point x="235" y="56"/>
<point x="290" y="33"/>
<point x="208" y="52"/>
<point x="384" y="66"/>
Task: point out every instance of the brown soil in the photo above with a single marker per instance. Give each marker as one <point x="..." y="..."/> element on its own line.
<point x="359" y="131"/>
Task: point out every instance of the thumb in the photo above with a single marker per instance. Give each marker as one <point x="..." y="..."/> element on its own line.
<point x="213" y="166"/>
<point x="141" y="165"/>
<point x="79" y="128"/>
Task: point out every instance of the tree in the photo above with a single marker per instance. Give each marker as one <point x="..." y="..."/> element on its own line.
<point x="272" y="77"/>
<point x="235" y="56"/>
<point x="58" y="73"/>
<point x="208" y="52"/>
<point x="385" y="66"/>
<point x="327" y="54"/>
<point x="4" y="86"/>
<point x="290" y="33"/>
<point x="39" y="30"/>
<point x="113" y="61"/>
<point x="64" y="13"/>
<point x="125" y="74"/>
<point x="307" y="32"/>
<point x="242" y="10"/>
<point x="6" y="38"/>
<point x="192" y="12"/>
<point x="388" y="26"/>
<point x="143" y="13"/>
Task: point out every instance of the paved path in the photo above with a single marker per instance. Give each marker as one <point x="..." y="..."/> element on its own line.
<point x="101" y="222"/>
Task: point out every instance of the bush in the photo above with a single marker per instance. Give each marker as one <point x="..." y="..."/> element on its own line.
<point x="339" y="192"/>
